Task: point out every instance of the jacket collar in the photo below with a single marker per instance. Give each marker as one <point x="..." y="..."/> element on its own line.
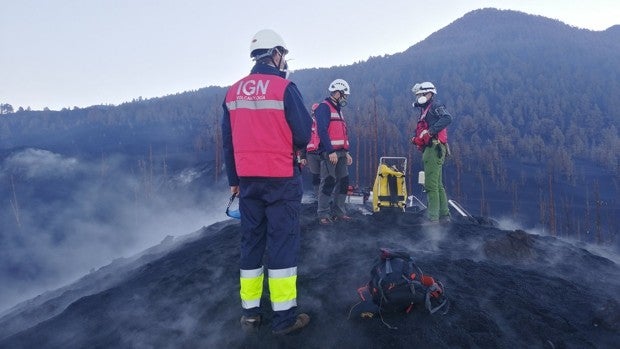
<point x="261" y="68"/>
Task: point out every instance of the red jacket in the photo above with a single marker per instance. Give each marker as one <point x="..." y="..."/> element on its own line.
<point x="262" y="139"/>
<point x="430" y="117"/>
<point x="337" y="129"/>
<point x="313" y="145"/>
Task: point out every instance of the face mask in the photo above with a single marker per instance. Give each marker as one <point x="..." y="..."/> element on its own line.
<point x="284" y="72"/>
<point x="422" y="100"/>
<point x="342" y="101"/>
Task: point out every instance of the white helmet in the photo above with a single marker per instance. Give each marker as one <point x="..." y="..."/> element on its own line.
<point x="424" y="87"/>
<point x="266" y="39"/>
<point x="415" y="88"/>
<point x="339" y="85"/>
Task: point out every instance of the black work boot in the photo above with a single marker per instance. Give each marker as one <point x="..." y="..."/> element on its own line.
<point x="250" y="324"/>
<point x="301" y="321"/>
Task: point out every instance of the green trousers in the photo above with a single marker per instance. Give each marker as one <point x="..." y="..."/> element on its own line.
<point x="434" y="157"/>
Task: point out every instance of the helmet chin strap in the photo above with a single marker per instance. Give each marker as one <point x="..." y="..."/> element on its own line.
<point x="284" y="73"/>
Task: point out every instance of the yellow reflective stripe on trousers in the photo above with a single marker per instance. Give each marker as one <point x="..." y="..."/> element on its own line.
<point x="283" y="288"/>
<point x="251" y="287"/>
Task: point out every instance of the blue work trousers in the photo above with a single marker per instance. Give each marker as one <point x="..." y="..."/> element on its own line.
<point x="270" y="227"/>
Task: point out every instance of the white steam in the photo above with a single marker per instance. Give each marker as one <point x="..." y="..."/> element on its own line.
<point x="61" y="217"/>
<point x="33" y="163"/>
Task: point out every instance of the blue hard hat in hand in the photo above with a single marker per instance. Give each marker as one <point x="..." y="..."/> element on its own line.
<point x="236" y="214"/>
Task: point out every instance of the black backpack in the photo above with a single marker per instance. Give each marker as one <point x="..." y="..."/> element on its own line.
<point x="397" y="284"/>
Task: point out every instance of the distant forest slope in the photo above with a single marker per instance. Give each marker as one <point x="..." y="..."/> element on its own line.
<point x="535" y="105"/>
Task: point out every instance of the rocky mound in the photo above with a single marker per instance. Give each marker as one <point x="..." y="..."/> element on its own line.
<point x="507" y="289"/>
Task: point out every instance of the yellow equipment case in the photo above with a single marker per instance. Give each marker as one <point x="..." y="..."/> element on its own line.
<point x="390" y="190"/>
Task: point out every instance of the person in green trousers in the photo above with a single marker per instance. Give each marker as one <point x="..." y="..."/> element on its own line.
<point x="432" y="139"/>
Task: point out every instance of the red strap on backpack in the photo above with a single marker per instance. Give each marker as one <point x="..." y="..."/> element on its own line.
<point x="422" y="138"/>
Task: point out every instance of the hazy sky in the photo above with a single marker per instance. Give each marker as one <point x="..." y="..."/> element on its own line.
<point x="66" y="53"/>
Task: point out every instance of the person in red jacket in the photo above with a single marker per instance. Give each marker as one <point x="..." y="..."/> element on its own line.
<point x="432" y="140"/>
<point x="334" y="150"/>
<point x="311" y="157"/>
<point x="265" y="124"/>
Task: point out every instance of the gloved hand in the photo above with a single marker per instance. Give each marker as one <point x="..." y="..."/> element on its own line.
<point x="333" y="158"/>
<point x="234" y="189"/>
<point x="424" y="137"/>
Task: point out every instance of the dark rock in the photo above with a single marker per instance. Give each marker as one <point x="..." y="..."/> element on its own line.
<point x="515" y="246"/>
<point x="187" y="296"/>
